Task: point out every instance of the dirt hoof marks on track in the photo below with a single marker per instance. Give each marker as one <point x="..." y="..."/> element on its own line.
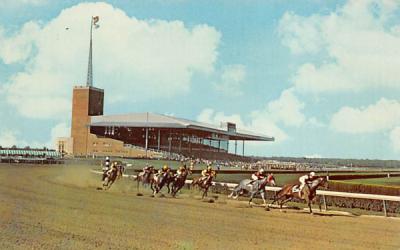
<point x="99" y="188"/>
<point x="139" y="194"/>
<point x="209" y="200"/>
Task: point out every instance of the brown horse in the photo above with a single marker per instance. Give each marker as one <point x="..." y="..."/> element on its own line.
<point x="309" y="192"/>
<point x="116" y="172"/>
<point x="178" y="181"/>
<point x="158" y="181"/>
<point x="110" y="178"/>
<point x="204" y="183"/>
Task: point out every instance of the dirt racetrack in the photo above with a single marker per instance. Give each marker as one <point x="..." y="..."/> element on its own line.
<point x="58" y="207"/>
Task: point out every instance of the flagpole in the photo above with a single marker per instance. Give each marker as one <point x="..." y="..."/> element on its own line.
<point x="89" y="80"/>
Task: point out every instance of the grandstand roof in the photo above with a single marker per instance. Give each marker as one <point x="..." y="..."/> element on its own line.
<point x="152" y="120"/>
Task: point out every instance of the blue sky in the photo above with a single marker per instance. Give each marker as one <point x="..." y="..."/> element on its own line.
<point x="320" y="76"/>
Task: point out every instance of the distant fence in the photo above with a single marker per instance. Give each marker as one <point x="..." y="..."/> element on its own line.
<point x="322" y="193"/>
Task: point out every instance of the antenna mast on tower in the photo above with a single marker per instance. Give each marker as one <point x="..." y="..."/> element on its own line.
<point x="89" y="80"/>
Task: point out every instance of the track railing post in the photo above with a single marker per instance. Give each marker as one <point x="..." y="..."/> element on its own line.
<point x="325" y="206"/>
<point x="384" y="207"/>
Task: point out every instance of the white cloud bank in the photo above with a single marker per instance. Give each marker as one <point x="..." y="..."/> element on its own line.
<point x="232" y="79"/>
<point x="133" y="59"/>
<point x="9" y="138"/>
<point x="285" y="111"/>
<point x="59" y="130"/>
<point x="360" y="41"/>
<point x="381" y="116"/>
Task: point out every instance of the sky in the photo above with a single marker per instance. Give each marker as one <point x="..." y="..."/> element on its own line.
<point x="322" y="77"/>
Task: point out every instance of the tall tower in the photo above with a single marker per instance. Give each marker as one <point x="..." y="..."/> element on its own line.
<point x="86" y="102"/>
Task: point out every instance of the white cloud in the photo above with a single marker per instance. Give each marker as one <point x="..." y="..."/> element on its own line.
<point x="300" y="34"/>
<point x="360" y="41"/>
<point x="258" y="123"/>
<point x="133" y="59"/>
<point x="19" y="46"/>
<point x="210" y="116"/>
<point x="383" y="115"/>
<point x="287" y="109"/>
<point x="60" y="130"/>
<point x="9" y="138"/>
<point x="232" y="79"/>
<point x="395" y="139"/>
<point x="314" y="122"/>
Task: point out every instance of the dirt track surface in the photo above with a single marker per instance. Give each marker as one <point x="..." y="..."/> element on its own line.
<point x="60" y="208"/>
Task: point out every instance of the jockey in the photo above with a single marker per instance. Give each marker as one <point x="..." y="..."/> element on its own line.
<point x="305" y="179"/>
<point x="181" y="170"/>
<point x="106" y="167"/>
<point x="164" y="170"/>
<point x="207" y="173"/>
<point x="260" y="174"/>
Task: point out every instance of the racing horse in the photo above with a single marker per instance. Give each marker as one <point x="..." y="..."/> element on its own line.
<point x="145" y="177"/>
<point x="290" y="192"/>
<point x="111" y="176"/>
<point x="159" y="181"/>
<point x="253" y="187"/>
<point x="178" y="182"/>
<point x="204" y="183"/>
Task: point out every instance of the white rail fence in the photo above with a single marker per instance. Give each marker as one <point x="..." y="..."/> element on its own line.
<point x="323" y="193"/>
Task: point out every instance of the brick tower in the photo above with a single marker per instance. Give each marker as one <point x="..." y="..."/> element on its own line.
<point x="86" y="102"/>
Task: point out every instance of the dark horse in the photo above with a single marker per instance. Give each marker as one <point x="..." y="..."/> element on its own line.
<point x="204" y="183"/>
<point x="110" y="178"/>
<point x="159" y="181"/>
<point x="287" y="193"/>
<point x="253" y="187"/>
<point x="145" y="177"/>
<point x="178" y="182"/>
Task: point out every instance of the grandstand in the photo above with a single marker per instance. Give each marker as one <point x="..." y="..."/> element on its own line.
<point x="147" y="135"/>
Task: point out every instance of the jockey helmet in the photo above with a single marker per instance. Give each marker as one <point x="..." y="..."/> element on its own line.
<point x="165" y="167"/>
<point x="312" y="174"/>
<point x="209" y="168"/>
<point x="107" y="158"/>
<point x="261" y="170"/>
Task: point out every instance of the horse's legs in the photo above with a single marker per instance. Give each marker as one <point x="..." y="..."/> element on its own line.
<point x="285" y="200"/>
<point x="205" y="192"/>
<point x="263" y="197"/>
<point x="309" y="205"/>
<point x="251" y="198"/>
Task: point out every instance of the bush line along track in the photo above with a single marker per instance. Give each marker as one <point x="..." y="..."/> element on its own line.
<point x="323" y="193"/>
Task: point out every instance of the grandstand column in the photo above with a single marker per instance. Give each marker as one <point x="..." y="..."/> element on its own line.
<point x="219" y="145"/>
<point x="169" y="143"/>
<point x="235" y="147"/>
<point x="243" y="148"/>
<point x="158" y="139"/>
<point x="180" y="144"/>
<point x="147" y="140"/>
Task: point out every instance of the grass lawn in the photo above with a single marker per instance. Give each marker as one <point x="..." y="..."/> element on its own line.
<point x="392" y="181"/>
